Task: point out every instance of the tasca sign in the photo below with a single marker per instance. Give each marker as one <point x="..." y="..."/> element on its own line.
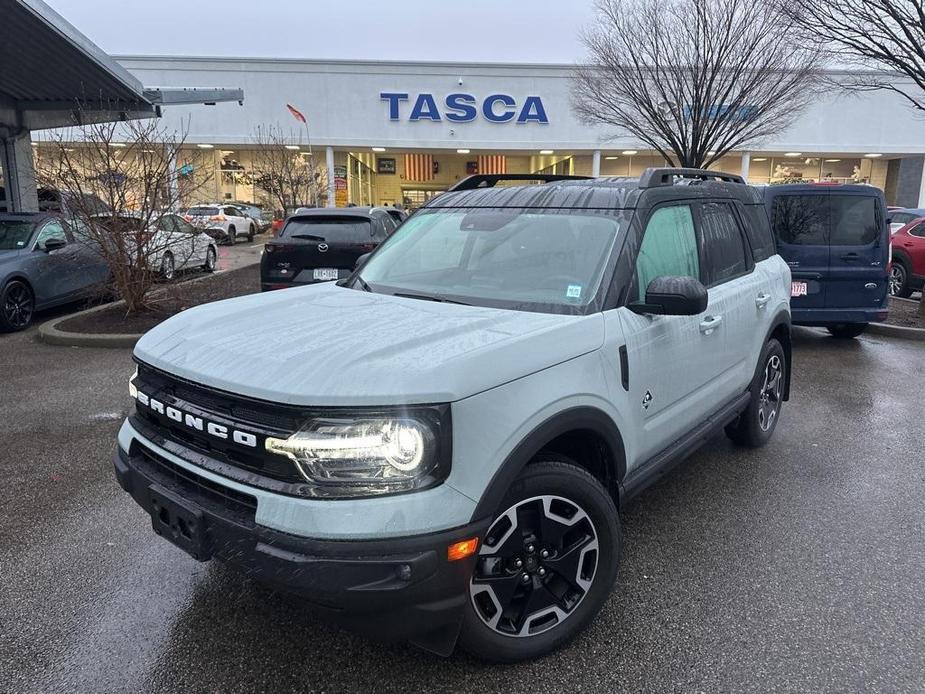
<point x="464" y="108"/>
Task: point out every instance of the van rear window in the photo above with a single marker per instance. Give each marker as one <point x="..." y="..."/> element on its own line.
<point x="822" y="220"/>
<point x="801" y="220"/>
<point x="854" y="220"/>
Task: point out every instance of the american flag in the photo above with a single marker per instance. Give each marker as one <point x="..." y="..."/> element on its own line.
<point x="419" y="167"/>
<point x="493" y="164"/>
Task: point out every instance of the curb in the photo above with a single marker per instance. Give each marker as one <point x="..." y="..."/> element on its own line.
<point x="49" y="333"/>
<point x="897" y="331"/>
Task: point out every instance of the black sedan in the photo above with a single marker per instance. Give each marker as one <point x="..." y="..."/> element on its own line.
<point x="322" y="244"/>
<point x="43" y="264"/>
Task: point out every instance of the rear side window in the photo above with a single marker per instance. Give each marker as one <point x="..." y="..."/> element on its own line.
<point x="669" y="247"/>
<point x="918" y="230"/>
<point x="330" y="229"/>
<point x="722" y="244"/>
<point x="855" y="220"/>
<point x="758" y="231"/>
<point x="801" y="220"/>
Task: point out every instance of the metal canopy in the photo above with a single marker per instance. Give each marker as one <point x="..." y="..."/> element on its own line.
<point x="49" y="72"/>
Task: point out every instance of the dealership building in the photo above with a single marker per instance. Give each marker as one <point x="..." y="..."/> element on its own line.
<point x="401" y="132"/>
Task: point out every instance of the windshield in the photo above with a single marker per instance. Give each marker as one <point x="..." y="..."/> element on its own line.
<point x="14" y="234"/>
<point x="540" y="260"/>
<point x="347" y="230"/>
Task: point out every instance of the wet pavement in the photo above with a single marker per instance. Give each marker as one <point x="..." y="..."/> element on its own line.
<point x="799" y="567"/>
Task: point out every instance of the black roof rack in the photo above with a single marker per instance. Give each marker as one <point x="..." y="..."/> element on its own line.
<point x="491" y="180"/>
<point x="655" y="178"/>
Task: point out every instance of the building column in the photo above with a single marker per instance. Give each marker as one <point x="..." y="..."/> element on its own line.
<point x="19" y="173"/>
<point x="329" y="161"/>
<point x="922" y="186"/>
<point x="596" y="163"/>
<point x="746" y="164"/>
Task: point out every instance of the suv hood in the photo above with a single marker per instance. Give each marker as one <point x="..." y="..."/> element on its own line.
<point x="328" y="345"/>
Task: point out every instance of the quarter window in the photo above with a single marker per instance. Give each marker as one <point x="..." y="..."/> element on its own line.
<point x="918" y="230"/>
<point x="669" y="247"/>
<point x="723" y="245"/>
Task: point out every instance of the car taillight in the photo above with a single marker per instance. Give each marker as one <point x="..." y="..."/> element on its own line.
<point x="188" y="217"/>
<point x="271" y="247"/>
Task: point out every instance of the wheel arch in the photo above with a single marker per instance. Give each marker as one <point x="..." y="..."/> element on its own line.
<point x="588" y="430"/>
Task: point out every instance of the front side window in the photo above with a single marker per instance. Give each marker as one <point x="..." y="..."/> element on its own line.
<point x="669" y="247"/>
<point x="723" y="248"/>
<point x="533" y="260"/>
<point x="52" y="230"/>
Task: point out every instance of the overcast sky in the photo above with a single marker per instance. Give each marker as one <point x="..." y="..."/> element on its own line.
<point x="452" y="30"/>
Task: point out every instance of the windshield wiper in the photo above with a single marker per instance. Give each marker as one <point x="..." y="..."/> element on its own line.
<point x="359" y="280"/>
<point x="430" y="297"/>
<point x="307" y="237"/>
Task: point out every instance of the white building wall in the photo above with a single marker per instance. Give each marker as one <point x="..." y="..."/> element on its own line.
<point x="342" y="103"/>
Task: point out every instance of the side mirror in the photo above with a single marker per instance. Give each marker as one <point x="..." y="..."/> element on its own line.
<point x="361" y="261"/>
<point x="673" y="296"/>
<point x="54" y="244"/>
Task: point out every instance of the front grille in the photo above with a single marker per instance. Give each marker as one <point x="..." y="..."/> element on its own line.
<point x="219" y="499"/>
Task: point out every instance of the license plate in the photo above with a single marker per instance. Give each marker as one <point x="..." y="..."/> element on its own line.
<point x="798" y="289"/>
<point x="325" y="274"/>
<point x="179" y="522"/>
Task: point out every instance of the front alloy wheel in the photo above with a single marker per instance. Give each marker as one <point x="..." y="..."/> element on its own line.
<point x="168" y="269"/>
<point x="535" y="566"/>
<point x="16" y="307"/>
<point x="546" y="565"/>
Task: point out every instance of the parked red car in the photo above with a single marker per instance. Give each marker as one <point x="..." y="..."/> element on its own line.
<point x="907" y="272"/>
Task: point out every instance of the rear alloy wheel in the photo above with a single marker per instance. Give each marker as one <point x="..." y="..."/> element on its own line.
<point x="755" y="425"/>
<point x="17" y="304"/>
<point x="899" y="281"/>
<point x="846" y="331"/>
<point x="232" y="236"/>
<point x="211" y="260"/>
<point x="546" y="565"/>
<point x="250" y="233"/>
<point x="168" y="267"/>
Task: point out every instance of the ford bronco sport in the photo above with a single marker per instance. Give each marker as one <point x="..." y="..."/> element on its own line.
<point x="436" y="448"/>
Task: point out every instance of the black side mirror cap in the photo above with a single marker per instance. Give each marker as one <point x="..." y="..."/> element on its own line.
<point x="53" y="245"/>
<point x="673" y="296"/>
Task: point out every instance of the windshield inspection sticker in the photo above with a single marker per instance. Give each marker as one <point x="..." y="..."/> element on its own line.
<point x="573" y="291"/>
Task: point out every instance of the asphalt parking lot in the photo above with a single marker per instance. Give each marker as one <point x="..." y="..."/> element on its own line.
<point x="800" y="567"/>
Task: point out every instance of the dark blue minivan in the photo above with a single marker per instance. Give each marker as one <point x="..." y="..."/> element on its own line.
<point x="836" y="240"/>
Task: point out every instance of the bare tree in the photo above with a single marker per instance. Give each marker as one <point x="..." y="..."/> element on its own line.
<point x="694" y="79"/>
<point x="114" y="182"/>
<point x="887" y="37"/>
<point x="290" y="176"/>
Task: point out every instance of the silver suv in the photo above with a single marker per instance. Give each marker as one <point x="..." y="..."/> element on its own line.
<point x="436" y="449"/>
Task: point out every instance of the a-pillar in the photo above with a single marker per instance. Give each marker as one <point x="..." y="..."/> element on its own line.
<point x="19" y="173"/>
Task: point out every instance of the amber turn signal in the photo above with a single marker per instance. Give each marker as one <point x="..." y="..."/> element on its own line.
<point x="462" y="549"/>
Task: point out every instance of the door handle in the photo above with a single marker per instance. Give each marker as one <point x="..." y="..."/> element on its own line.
<point x="850" y="257"/>
<point x="710" y="323"/>
<point x="762" y="300"/>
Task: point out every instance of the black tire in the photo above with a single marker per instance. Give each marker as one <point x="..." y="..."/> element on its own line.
<point x="17" y="306"/>
<point x="567" y="486"/>
<point x="899" y="280"/>
<point x="846" y="331"/>
<point x="232" y="236"/>
<point x="754" y="427"/>
<point x="250" y="233"/>
<point x="211" y="260"/>
<point x="168" y="267"/>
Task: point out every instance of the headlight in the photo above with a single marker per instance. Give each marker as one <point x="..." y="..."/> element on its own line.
<point x="132" y="390"/>
<point x="364" y="455"/>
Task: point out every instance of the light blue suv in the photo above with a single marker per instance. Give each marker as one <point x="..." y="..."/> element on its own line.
<point x="436" y="449"/>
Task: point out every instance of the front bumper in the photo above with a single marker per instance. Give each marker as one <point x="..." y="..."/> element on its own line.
<point x="391" y="589"/>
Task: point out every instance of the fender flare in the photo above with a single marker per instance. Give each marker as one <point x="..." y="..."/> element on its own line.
<point x="562" y="422"/>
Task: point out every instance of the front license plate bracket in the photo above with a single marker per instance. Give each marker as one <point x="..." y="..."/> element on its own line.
<point x="179" y="522"/>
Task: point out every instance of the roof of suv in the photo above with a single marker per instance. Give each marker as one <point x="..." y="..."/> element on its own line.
<point x="597" y="193"/>
<point x="339" y="212"/>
